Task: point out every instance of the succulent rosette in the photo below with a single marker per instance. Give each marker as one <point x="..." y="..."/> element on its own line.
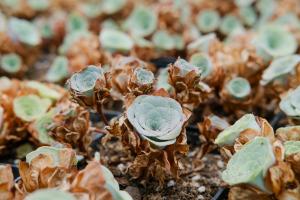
<point x="290" y="103"/>
<point x="157" y="119"/>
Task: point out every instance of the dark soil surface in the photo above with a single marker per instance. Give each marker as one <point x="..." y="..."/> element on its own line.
<point x="199" y="179"/>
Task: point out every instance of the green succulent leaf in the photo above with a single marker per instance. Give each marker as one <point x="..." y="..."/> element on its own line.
<point x="274" y="41"/>
<point x="290" y="104"/>
<point x="162" y="80"/>
<point x="186" y="67"/>
<point x="291" y="147"/>
<point x="228" y="136"/>
<point x="250" y="164"/>
<point x="44" y="91"/>
<point x="248" y="15"/>
<point x="114" y="40"/>
<point x="238" y="87"/>
<point x="39" y="5"/>
<point x="71" y="38"/>
<point x="53" y="152"/>
<point x="144" y="76"/>
<point x="203" y="62"/>
<point x="208" y="21"/>
<point x="203" y="43"/>
<point x="41" y="126"/>
<point x="76" y="22"/>
<point x="163" y="40"/>
<point x="141" y="22"/>
<point x="230" y="24"/>
<point x="84" y="81"/>
<point x="58" y="70"/>
<point x="11" y="63"/>
<point x="157" y="119"/>
<point x="112" y="6"/>
<point x="23" y="31"/>
<point x="49" y="194"/>
<point x="243" y="3"/>
<point x="30" y="107"/>
<point x="279" y="68"/>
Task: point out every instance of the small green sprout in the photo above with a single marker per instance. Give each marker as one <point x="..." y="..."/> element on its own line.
<point x="49" y="193"/>
<point x="11" y="63"/>
<point x="248" y="15"/>
<point x="250" y="164"/>
<point x="76" y="22"/>
<point x="238" y="87"/>
<point x="228" y="136"/>
<point x="58" y="70"/>
<point x="30" y="107"/>
<point x="208" y="21"/>
<point x="144" y="76"/>
<point x="23" y="31"/>
<point x="141" y="22"/>
<point x="114" y="40"/>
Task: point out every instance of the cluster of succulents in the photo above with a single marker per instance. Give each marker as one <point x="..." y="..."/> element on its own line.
<point x="163" y="66"/>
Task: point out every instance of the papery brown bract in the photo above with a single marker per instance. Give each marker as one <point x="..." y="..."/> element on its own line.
<point x="6" y="183"/>
<point x="71" y="126"/>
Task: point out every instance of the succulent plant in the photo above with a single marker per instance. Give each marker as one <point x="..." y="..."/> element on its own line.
<point x="23" y="31"/>
<point x="58" y="71"/>
<point x="44" y="90"/>
<point x="228" y="136"/>
<point x="70" y="39"/>
<point x="290" y="105"/>
<point x="76" y="22"/>
<point x="243" y="3"/>
<point x="11" y="63"/>
<point x="208" y="21"/>
<point x="238" y="87"/>
<point x="280" y="69"/>
<point x="248" y="15"/>
<point x="161" y="124"/>
<point x="162" y="80"/>
<point x="112" y="6"/>
<point x="115" y="40"/>
<point x="163" y="40"/>
<point x="49" y="193"/>
<point x="30" y="107"/>
<point x="39" y="5"/>
<point x="291" y="147"/>
<point x="230" y="24"/>
<point x="273" y="41"/>
<point x="186" y="67"/>
<point x="141" y="22"/>
<point x="203" y="43"/>
<point x="250" y="165"/>
<point x="203" y="62"/>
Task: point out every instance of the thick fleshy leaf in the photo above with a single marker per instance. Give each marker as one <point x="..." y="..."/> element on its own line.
<point x="230" y="24"/>
<point x="290" y="104"/>
<point x="280" y="67"/>
<point x="39" y="5"/>
<point x="163" y="40"/>
<point x="291" y="147"/>
<point x="11" y="63"/>
<point x="203" y="62"/>
<point x="49" y="194"/>
<point x="58" y="70"/>
<point x="157" y="119"/>
<point x="228" y="136"/>
<point x="76" y="22"/>
<point x="56" y="157"/>
<point x="238" y="87"/>
<point x="141" y="22"/>
<point x="114" y="40"/>
<point x="44" y="91"/>
<point x="208" y="21"/>
<point x="248" y="15"/>
<point x="84" y="81"/>
<point x="202" y="43"/>
<point x="250" y="164"/>
<point x="30" y="107"/>
<point x="23" y="31"/>
<point x="186" y="67"/>
<point x="112" y="6"/>
<point x="162" y="80"/>
<point x="275" y="41"/>
<point x="144" y="76"/>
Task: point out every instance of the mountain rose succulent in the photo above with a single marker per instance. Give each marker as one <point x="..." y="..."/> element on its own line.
<point x="157" y="119"/>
